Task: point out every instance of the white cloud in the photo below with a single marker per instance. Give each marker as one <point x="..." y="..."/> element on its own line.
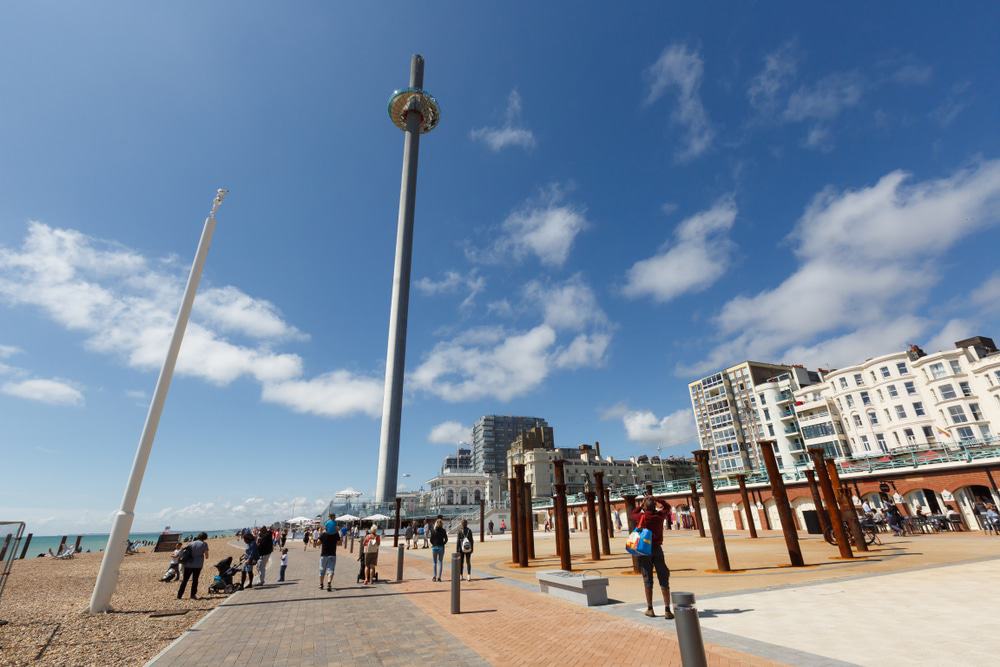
<point x="545" y="227"/>
<point x="335" y="394"/>
<point x="452" y="282"/>
<point x="500" y="308"/>
<point x="7" y="351"/>
<point x="778" y="71"/>
<point x="865" y="263"/>
<point x="819" y="138"/>
<point x="825" y="99"/>
<point x="450" y="433"/>
<point x="954" y="330"/>
<point x="680" y="69"/>
<point x="644" y="426"/>
<point x="987" y="295"/>
<point x="584" y="351"/>
<point x="510" y="134"/>
<point x="567" y="305"/>
<point x="53" y="392"/>
<point x="697" y="257"/>
<point x="235" y="311"/>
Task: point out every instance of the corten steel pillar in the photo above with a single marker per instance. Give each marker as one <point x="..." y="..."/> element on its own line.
<point x="830" y="499"/>
<point x="395" y="538"/>
<point x="824" y="520"/>
<point x="562" y="525"/>
<point x="482" y="520"/>
<point x="515" y="546"/>
<point x="629" y="508"/>
<point x="763" y="511"/>
<point x="529" y="520"/>
<point x="696" y="506"/>
<point x="522" y="539"/>
<point x="595" y="547"/>
<point x="610" y="508"/>
<point x="603" y="510"/>
<point x="555" y="523"/>
<point x="742" y="479"/>
<point x="714" y="522"/>
<point x="846" y="506"/>
<point x="780" y="495"/>
<point x="415" y="112"/>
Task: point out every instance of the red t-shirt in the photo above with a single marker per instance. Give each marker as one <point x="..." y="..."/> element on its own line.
<point x="654" y="521"/>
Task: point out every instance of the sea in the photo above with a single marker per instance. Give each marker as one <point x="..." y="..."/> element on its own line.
<point x="93" y="542"/>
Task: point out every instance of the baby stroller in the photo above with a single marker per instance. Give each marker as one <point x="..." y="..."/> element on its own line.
<point x="223" y="581"/>
<point x="361" y="570"/>
<point x="173" y="572"/>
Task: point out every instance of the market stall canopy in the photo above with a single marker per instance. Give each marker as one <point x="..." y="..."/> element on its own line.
<point x="299" y="519"/>
<point x="376" y="517"/>
<point x="347" y="517"/>
<point x="349" y="492"/>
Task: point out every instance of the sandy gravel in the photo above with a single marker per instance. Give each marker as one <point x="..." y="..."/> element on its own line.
<point x="45" y="602"/>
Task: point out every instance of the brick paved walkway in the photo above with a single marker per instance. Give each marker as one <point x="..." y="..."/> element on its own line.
<point x="295" y="623"/>
<point x="502" y="624"/>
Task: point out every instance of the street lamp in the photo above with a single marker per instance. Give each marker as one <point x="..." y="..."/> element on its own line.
<point x="659" y="455"/>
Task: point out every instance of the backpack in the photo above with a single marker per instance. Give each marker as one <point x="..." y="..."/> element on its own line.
<point x="371" y="545"/>
<point x="186" y="555"/>
<point x="466" y="544"/>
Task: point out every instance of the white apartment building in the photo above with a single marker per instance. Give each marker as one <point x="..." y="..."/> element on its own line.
<point x="743" y="404"/>
<point x="906" y="398"/>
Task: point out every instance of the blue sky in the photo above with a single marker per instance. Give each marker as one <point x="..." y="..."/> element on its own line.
<point x="614" y="204"/>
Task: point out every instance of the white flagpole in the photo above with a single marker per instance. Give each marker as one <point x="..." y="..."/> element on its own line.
<point x="107" y="578"/>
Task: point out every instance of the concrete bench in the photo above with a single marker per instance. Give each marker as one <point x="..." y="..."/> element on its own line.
<point x="579" y="588"/>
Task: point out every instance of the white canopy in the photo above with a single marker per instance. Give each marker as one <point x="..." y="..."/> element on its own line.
<point x="347" y="517"/>
<point x="299" y="519"/>
<point x="349" y="492"/>
<point x="376" y="517"/>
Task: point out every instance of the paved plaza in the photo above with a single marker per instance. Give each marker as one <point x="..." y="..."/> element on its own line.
<point x="916" y="601"/>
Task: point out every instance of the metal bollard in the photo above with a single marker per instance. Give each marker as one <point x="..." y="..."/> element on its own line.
<point x="688" y="630"/>
<point x="352" y="542"/>
<point x="399" y="563"/>
<point x="456" y="586"/>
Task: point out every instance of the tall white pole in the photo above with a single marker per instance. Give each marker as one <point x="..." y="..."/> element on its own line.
<point x="107" y="578"/>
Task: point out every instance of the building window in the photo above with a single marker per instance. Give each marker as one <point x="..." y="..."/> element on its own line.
<point x="965" y="433"/>
<point x="910" y="389"/>
<point x="843" y="382"/>
<point x="947" y="392"/>
<point x="901" y="367"/>
<point x="850" y="400"/>
<point x="918" y="409"/>
<point x="767" y="414"/>
<point x="770" y="430"/>
<point x="892" y="391"/>
<point x="910" y="439"/>
<point x="966" y="390"/>
<point x="857" y="420"/>
<point x="985" y="430"/>
<point x="859" y="380"/>
<point x="976" y="414"/>
<point x="881" y="442"/>
<point x="928" y="433"/>
<point x="885" y="371"/>
<point x="937" y="371"/>
<point x="888" y="417"/>
<point x="901" y="412"/>
<point x="872" y="417"/>
<point x="957" y="414"/>
<point x="865" y="443"/>
<point x="955" y="366"/>
<point x="865" y="400"/>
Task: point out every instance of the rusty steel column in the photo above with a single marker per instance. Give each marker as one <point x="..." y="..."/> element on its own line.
<point x="696" y="506"/>
<point x="847" y="510"/>
<point x="824" y="520"/>
<point x="482" y="520"/>
<point x="515" y="547"/>
<point x="595" y="548"/>
<point x="609" y="508"/>
<point x="742" y="479"/>
<point x="529" y="520"/>
<point x="395" y="538"/>
<point x="830" y="498"/>
<point x="714" y="522"/>
<point x="629" y="508"/>
<point x="522" y="539"/>
<point x="780" y="495"/>
<point x="602" y="505"/>
<point x="562" y="527"/>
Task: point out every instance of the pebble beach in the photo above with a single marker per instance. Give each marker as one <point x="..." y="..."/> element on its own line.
<point x="45" y="605"/>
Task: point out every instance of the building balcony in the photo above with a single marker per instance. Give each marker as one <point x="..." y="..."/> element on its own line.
<point x="786" y="414"/>
<point x="785" y="396"/>
<point x="790" y="429"/>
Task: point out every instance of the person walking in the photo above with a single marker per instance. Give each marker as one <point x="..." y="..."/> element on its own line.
<point x="409" y="534"/>
<point x="439" y="538"/>
<point x="651" y="515"/>
<point x="328" y="557"/>
<point x="249" y="560"/>
<point x="369" y="550"/>
<point x="464" y="546"/>
<point x="284" y="564"/>
<point x="428" y="528"/>
<point x="284" y="537"/>
<point x="193" y="559"/>
<point x="503" y="526"/>
<point x="305" y="539"/>
<point x="489" y="527"/>
<point x="265" y="547"/>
